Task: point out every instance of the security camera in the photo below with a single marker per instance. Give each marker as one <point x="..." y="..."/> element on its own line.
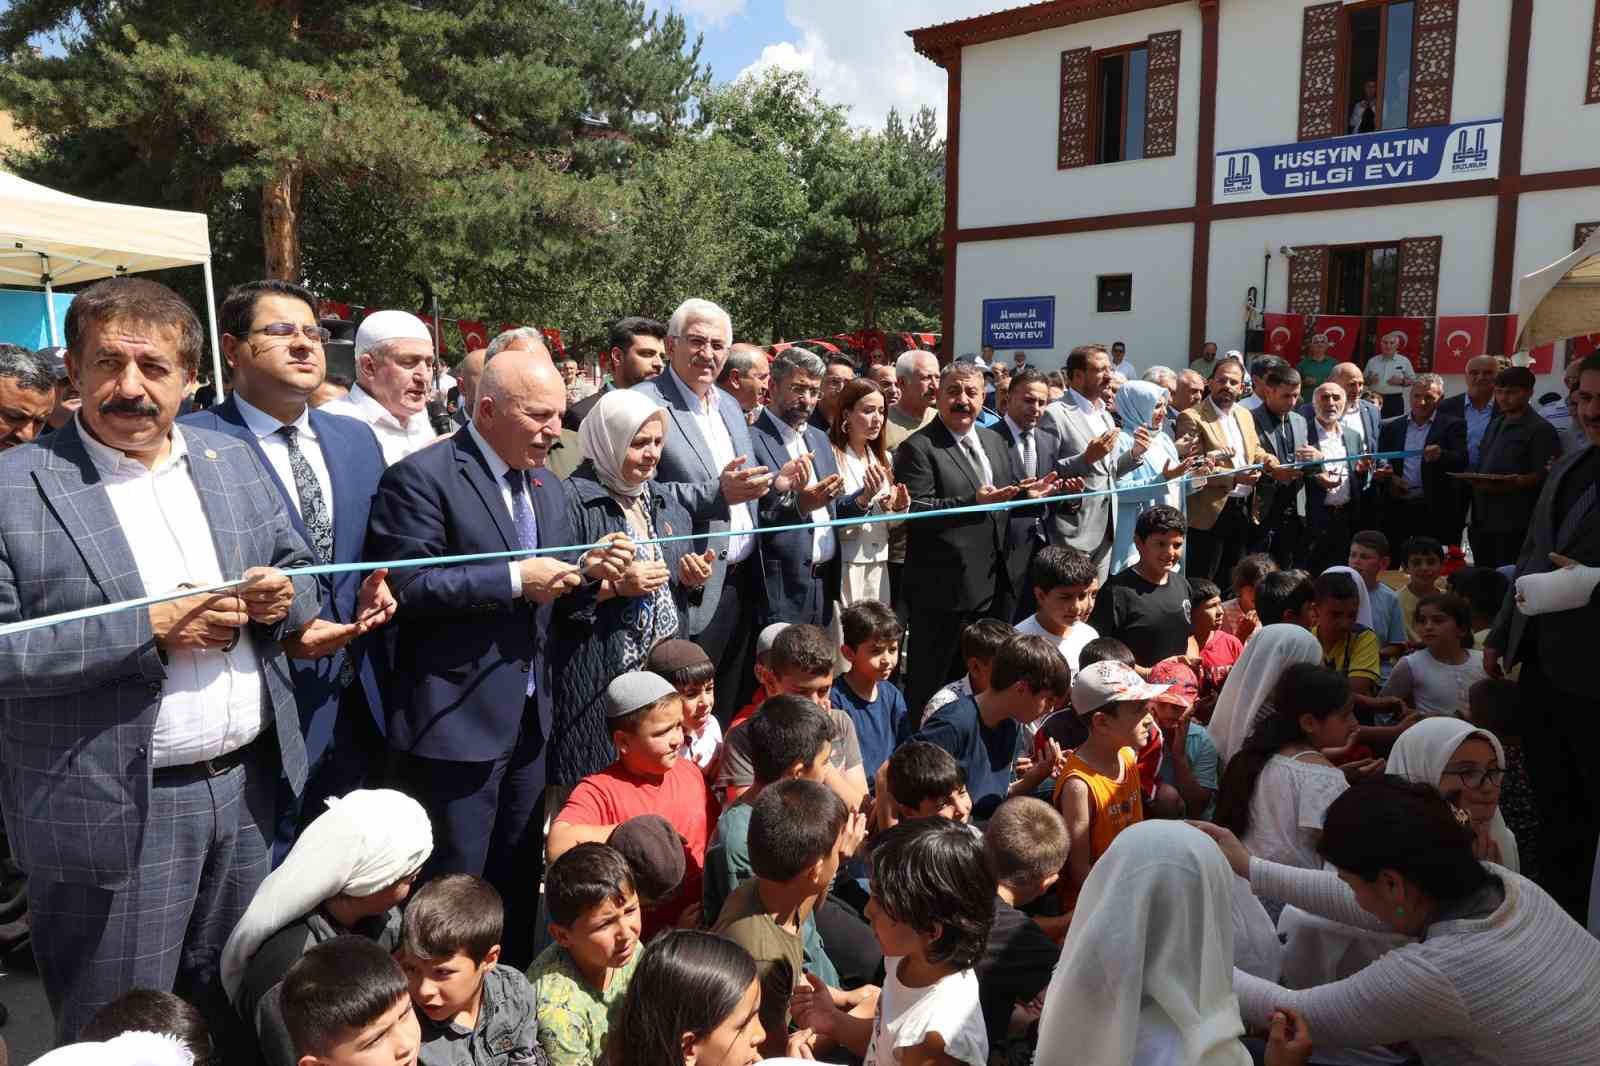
<point x="1287" y="252"/>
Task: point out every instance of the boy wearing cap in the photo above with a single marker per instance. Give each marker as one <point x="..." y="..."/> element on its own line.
<point x="1097" y="791"/>
<point x="690" y="670"/>
<point x="764" y="642"/>
<point x="645" y="714"/>
<point x="1189" y="770"/>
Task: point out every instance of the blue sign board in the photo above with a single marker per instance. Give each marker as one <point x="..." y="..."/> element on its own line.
<point x="1466" y="151"/>
<point x="23" y="320"/>
<point x="1020" y="322"/>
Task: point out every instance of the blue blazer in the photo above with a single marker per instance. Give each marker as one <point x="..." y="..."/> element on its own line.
<point x="688" y="472"/>
<point x="78" y="701"/>
<point x="785" y="557"/>
<point x="461" y="644"/>
<point x="355" y="464"/>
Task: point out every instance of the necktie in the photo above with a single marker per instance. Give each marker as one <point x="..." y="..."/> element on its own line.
<point x="1027" y="454"/>
<point x="527" y="534"/>
<point x="1581" y="510"/>
<point x="313" y="508"/>
<point x="980" y="465"/>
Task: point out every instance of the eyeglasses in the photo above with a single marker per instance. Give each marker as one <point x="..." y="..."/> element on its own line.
<point x="284" y="330"/>
<point x="1475" y="776"/>
<point x="699" y="344"/>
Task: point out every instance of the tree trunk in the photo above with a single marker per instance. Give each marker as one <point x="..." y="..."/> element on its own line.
<point x="280" y="223"/>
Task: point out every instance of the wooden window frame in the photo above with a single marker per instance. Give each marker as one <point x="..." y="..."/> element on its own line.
<point x="1366" y="285"/>
<point x="1095" y="58"/>
<point x="1428" y="45"/>
<point x="1099" y="281"/>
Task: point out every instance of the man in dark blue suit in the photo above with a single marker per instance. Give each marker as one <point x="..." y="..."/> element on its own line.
<point x="469" y="689"/>
<point x="706" y="461"/>
<point x="1033" y="445"/>
<point x="1419" y="496"/>
<point x="800" y="569"/>
<point x="326" y="469"/>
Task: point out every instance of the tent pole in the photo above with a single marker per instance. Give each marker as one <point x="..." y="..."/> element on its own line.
<point x="216" y="342"/>
<point x="50" y="308"/>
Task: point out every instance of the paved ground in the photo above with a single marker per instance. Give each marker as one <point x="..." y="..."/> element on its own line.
<point x="27" y="1033"/>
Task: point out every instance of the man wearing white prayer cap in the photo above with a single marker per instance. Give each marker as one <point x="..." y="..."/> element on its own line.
<point x="394" y="372"/>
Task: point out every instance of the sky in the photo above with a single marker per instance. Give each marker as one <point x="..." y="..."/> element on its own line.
<point x="855" y="51"/>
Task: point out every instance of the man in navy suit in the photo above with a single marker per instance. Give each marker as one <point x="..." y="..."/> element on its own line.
<point x="1419" y="497"/>
<point x="468" y="694"/>
<point x="326" y="469"/>
<point x="800" y="569"/>
<point x="1033" y="445"/>
<point x="706" y="460"/>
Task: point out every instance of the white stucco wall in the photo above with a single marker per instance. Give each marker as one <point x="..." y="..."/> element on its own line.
<point x="1010" y="102"/>
<point x="1156" y="330"/>
<point x="1561" y="133"/>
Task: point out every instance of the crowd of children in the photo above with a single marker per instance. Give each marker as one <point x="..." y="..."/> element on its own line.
<point x="1002" y="874"/>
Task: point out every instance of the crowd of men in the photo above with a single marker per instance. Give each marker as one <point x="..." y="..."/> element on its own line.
<point x="158" y="760"/>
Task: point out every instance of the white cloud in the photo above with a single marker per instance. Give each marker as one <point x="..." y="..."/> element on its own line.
<point x="856" y="52"/>
<point x="714" y="13"/>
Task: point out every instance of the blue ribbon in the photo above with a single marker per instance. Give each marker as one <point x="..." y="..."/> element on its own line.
<point x="96" y="611"/>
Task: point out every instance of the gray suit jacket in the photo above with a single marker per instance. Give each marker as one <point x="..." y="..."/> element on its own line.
<point x="1083" y="524"/>
<point x="1565" y="638"/>
<point x="78" y="701"/>
<point x="689" y="473"/>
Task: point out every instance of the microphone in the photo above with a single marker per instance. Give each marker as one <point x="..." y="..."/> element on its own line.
<point x="439" y="418"/>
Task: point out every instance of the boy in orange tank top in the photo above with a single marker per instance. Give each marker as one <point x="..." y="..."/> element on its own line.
<point x="1097" y="791"/>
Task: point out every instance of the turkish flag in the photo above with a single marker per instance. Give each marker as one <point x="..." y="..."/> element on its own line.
<point x="474" y="335"/>
<point x="1408" y="331"/>
<point x="1284" y="334"/>
<point x="333" y="309"/>
<point x="433" y="328"/>
<point x="1541" y="360"/>
<point x="1585" y="346"/>
<point x="1457" y="339"/>
<point x="552" y="337"/>
<point x="1342" y="331"/>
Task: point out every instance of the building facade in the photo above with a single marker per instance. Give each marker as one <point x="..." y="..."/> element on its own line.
<point x="1157" y="169"/>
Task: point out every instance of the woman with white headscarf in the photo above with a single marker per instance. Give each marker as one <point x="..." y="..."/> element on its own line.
<point x="1159" y="472"/>
<point x="1364" y="613"/>
<point x="1248" y="691"/>
<point x="599" y="636"/>
<point x="347" y="873"/>
<point x="1466" y="765"/>
<point x="1146" y="973"/>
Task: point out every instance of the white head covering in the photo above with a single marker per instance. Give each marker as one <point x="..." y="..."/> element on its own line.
<point x="391" y="325"/>
<point x="1270" y="650"/>
<point x="1150" y="949"/>
<point x="608" y="428"/>
<point x="134" y="1048"/>
<point x="1364" y="615"/>
<point x="1424" y="750"/>
<point x="359" y="846"/>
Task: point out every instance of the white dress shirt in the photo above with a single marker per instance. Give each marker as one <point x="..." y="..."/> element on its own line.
<point x="266" y="428"/>
<point x="1027" y="446"/>
<point x="1352" y="419"/>
<point x="1094" y="410"/>
<point x="397" y="439"/>
<point x="1251" y="402"/>
<point x="1231" y="430"/>
<point x="706" y="415"/>
<point x="1380" y="368"/>
<point x="824" y="543"/>
<point x="498" y="468"/>
<point x="211" y="699"/>
<point x="1330" y="442"/>
<point x="971" y="437"/>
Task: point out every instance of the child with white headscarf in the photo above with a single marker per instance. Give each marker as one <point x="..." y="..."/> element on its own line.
<point x="347" y="873"/>
<point x="1431" y="748"/>
<point x="1250" y="684"/>
<point x="1146" y="973"/>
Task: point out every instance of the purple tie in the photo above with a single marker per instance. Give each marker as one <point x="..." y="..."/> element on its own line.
<point x="528" y="533"/>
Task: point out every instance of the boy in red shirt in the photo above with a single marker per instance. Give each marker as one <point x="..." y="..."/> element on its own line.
<point x="649" y="777"/>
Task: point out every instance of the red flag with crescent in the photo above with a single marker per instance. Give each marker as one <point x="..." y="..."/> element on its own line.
<point x="552" y="337"/>
<point x="1284" y="333"/>
<point x="1408" y="331"/>
<point x="1457" y="339"/>
<point x="433" y="328"/>
<point x="474" y="335"/>
<point x="1343" y="333"/>
<point x="1541" y="360"/>
<point x="333" y="309"/>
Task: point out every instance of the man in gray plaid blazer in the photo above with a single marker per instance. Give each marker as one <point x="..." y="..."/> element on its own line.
<point x="140" y="750"/>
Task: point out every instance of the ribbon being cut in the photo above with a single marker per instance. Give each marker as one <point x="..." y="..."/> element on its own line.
<point x="27" y="624"/>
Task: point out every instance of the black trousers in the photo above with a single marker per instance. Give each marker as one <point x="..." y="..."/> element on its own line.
<point x="1327" y="541"/>
<point x="1212" y="553"/>
<point x="1280" y="535"/>
<point x="488" y="820"/>
<point x="729" y="639"/>
<point x="1496" y="548"/>
<point x="1561" y="732"/>
<point x="934" y="649"/>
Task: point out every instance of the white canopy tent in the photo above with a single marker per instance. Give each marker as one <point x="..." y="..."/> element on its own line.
<point x="1562" y="300"/>
<point x="48" y="239"/>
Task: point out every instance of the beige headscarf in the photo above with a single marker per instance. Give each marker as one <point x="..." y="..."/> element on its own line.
<point x="609" y="428"/>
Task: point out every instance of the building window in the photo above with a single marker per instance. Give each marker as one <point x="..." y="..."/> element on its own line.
<point x="1379" y="69"/>
<point x="1120" y="80"/>
<point x="1113" y="292"/>
<point x="1364" y="279"/>
<point x="1376" y="65"/>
